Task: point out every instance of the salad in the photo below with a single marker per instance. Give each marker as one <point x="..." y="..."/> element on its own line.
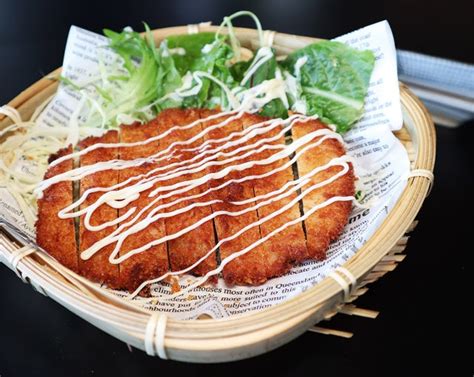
<point x="203" y="70"/>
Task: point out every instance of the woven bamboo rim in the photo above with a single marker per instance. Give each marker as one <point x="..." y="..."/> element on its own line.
<point x="216" y="340"/>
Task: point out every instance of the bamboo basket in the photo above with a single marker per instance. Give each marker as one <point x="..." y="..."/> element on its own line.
<point x="218" y="340"/>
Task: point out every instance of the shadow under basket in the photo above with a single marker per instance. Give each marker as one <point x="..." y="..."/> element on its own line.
<point x="218" y="340"/>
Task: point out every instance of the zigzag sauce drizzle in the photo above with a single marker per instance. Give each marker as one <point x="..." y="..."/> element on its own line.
<point x="232" y="152"/>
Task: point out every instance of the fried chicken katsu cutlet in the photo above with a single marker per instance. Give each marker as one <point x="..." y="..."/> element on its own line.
<point x="189" y="190"/>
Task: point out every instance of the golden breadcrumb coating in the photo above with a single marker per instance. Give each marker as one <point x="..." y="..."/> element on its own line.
<point x="274" y="257"/>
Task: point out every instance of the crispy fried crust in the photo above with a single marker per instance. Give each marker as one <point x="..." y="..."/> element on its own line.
<point x="326" y="224"/>
<point x="56" y="235"/>
<point x="98" y="268"/>
<point x="154" y="261"/>
<point x="278" y="254"/>
<point x="287" y="247"/>
<point x="273" y="258"/>
<point x="248" y="268"/>
<point x="190" y="247"/>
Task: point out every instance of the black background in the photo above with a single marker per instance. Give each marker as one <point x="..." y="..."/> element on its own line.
<point x="425" y="326"/>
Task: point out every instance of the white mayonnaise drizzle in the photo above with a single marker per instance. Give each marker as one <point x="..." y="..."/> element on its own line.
<point x="215" y="159"/>
<point x="153" y="216"/>
<point x="264" y="54"/>
<point x="300" y="63"/>
<point x="216" y="152"/>
<point x="293" y="86"/>
<point x="177" y="51"/>
<point x="239" y="253"/>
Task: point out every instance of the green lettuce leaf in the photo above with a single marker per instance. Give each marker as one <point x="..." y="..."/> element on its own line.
<point x="221" y="71"/>
<point x="193" y="59"/>
<point x="238" y="69"/>
<point x="334" y="80"/>
<point x="332" y="83"/>
<point x="267" y="71"/>
<point x="203" y="52"/>
<point x="168" y="78"/>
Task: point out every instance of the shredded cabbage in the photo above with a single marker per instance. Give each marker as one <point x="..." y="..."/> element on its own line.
<point x="24" y="156"/>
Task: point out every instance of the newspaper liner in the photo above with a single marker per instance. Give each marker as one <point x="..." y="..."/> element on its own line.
<point x="382" y="168"/>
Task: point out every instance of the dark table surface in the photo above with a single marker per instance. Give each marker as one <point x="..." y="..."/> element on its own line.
<point x="424" y="320"/>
